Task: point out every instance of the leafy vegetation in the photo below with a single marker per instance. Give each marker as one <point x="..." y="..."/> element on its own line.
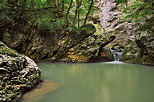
<point x="49" y="16"/>
<point x="141" y="12"/>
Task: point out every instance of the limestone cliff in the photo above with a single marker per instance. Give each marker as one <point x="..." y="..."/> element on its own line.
<point x="110" y="15"/>
<point x="138" y="45"/>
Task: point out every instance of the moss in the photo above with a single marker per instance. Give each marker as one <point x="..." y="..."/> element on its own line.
<point x="148" y="59"/>
<point x="133" y="58"/>
<point x="77" y="58"/>
<point x="5" y="50"/>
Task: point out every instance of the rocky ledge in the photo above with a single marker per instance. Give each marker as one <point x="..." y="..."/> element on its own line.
<point x="18" y="74"/>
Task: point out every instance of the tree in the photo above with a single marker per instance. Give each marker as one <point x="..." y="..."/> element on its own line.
<point x="69" y="8"/>
<point x="91" y="4"/>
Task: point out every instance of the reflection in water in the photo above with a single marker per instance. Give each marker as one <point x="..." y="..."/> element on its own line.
<point x="100" y="82"/>
<point x="36" y="94"/>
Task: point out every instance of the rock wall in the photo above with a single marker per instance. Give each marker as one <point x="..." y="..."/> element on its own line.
<point x="58" y="47"/>
<point x="18" y="74"/>
<point x="137" y="49"/>
<point x="141" y="50"/>
<point x="91" y="49"/>
<point x="111" y="13"/>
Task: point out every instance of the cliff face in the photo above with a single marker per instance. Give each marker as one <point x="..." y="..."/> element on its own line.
<point x="18" y="74"/>
<point x="59" y="47"/>
<point x="138" y="49"/>
<point x="111" y="13"/>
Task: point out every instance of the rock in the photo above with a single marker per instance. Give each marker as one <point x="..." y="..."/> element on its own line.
<point x="57" y="47"/>
<point x="89" y="50"/>
<point x="137" y="45"/>
<point x="3" y="71"/>
<point x="110" y="16"/>
<point x="107" y="54"/>
<point x="141" y="51"/>
<point x="48" y="46"/>
<point x="13" y="80"/>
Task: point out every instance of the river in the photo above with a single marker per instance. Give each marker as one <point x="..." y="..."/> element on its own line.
<point x="94" y="82"/>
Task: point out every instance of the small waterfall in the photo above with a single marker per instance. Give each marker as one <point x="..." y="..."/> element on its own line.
<point x="116" y="54"/>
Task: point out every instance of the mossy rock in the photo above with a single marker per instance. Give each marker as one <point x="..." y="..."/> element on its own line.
<point x="132" y="54"/>
<point x="18" y="74"/>
<point x="88" y="28"/>
<point x="7" y="51"/>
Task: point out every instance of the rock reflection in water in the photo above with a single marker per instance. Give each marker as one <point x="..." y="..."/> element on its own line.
<point x="45" y="87"/>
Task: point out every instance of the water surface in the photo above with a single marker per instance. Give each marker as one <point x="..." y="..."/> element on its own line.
<point x="99" y="82"/>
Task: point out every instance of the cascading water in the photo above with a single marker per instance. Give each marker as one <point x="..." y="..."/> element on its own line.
<point x="116" y="54"/>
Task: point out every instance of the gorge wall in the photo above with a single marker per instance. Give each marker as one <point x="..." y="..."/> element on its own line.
<point x="138" y="49"/>
<point x="83" y="44"/>
<point x="75" y="46"/>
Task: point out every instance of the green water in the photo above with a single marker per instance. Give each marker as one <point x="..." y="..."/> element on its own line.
<point x="99" y="82"/>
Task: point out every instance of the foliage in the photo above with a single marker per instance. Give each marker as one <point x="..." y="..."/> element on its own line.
<point x="49" y="16"/>
<point x="141" y="12"/>
<point x="121" y="1"/>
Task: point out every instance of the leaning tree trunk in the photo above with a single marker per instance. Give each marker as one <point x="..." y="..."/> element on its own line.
<point x="63" y="5"/>
<point x="91" y="4"/>
<point x="76" y="11"/>
<point x="69" y="8"/>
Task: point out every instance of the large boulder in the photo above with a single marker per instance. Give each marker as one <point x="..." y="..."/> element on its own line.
<point x="91" y="49"/>
<point x="18" y="74"/>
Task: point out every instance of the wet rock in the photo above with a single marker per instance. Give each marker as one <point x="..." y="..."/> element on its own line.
<point x="13" y="80"/>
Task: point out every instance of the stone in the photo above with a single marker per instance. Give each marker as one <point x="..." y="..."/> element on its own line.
<point x="13" y="80"/>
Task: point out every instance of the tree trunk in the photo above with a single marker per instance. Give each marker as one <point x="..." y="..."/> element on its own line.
<point x="76" y="11"/>
<point x="80" y="3"/>
<point x="69" y="8"/>
<point x="24" y="4"/>
<point x="63" y="2"/>
<point x="57" y="3"/>
<point x="91" y="4"/>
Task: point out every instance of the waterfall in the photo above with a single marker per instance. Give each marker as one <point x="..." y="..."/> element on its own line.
<point x="116" y="54"/>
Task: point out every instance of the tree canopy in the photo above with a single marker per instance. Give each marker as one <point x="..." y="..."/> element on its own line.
<point x="47" y="15"/>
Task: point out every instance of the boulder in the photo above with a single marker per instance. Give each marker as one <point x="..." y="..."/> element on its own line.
<point x="90" y="49"/>
<point x="18" y="74"/>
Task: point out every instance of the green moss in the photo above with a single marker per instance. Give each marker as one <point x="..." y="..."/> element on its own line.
<point x="5" y="50"/>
